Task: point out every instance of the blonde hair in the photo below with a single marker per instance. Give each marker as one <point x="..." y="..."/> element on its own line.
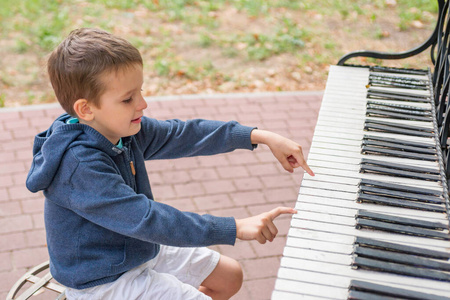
<point x="76" y="65"/>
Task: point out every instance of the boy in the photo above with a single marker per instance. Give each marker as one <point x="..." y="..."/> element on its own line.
<point x="107" y="238"/>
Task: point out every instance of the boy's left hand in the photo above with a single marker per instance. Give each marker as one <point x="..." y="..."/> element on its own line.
<point x="261" y="227"/>
<point x="288" y="152"/>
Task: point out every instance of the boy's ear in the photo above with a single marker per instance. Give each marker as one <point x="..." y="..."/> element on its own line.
<point x="83" y="110"/>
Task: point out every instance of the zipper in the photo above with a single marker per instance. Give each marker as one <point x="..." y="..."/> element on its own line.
<point x="129" y="159"/>
<point x="133" y="171"/>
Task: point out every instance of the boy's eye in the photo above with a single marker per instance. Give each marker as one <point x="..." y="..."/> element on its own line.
<point x="127" y="100"/>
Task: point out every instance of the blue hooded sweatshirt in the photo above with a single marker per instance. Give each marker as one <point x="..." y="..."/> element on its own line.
<point x="100" y="216"/>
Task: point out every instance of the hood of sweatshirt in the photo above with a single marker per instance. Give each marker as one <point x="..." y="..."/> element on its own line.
<point x="51" y="145"/>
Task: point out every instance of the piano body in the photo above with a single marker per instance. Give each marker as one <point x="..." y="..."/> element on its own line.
<point x="374" y="221"/>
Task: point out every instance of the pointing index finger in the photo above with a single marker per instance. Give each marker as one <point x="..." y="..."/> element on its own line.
<point x="302" y="162"/>
<point x="274" y="213"/>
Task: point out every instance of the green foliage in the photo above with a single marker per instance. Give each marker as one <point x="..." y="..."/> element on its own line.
<point x="287" y="38"/>
<point x="37" y="26"/>
<point x="39" y="21"/>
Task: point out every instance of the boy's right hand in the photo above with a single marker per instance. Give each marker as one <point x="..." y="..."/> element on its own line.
<point x="261" y="227"/>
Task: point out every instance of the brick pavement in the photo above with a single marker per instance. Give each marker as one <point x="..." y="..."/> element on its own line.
<point x="238" y="184"/>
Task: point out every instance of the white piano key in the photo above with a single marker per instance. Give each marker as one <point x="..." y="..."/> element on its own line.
<point x="356" y="150"/>
<point x="348" y="208"/>
<point x="347" y="117"/>
<point x="355" y="168"/>
<point x="340" y="229"/>
<point x="313" y="237"/>
<point x="345" y="166"/>
<point x="338" y="102"/>
<point x="342" y="269"/>
<point x="309" y="273"/>
<point x="309" y="289"/>
<point x="341" y="140"/>
<point x="327" y="128"/>
<point x="344" y="135"/>
<point x="284" y="295"/>
<point x="331" y="175"/>
<point x="327" y="157"/>
<point x="337" y="155"/>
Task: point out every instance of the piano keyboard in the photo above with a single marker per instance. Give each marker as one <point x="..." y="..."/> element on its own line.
<point x="373" y="222"/>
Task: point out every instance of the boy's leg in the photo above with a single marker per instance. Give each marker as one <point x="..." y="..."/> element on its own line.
<point x="140" y="283"/>
<point x="225" y="280"/>
<point x="217" y="276"/>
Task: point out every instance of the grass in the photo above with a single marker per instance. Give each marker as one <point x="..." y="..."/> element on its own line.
<point x="153" y="26"/>
<point x="43" y="23"/>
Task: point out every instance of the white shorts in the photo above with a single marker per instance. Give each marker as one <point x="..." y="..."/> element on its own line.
<point x="175" y="273"/>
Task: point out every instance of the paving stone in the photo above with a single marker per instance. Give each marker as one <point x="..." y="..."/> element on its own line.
<point x="245" y="198"/>
<point x="5" y="261"/>
<point x="30" y="257"/>
<point x="260" y="268"/>
<point x="248" y="184"/>
<point x="16" y="223"/>
<point x="10" y="208"/>
<point x="233" y="172"/>
<point x="200" y="174"/>
<point x="6" y="181"/>
<point x="218" y="186"/>
<point x="12" y="241"/>
<point x="260" y="289"/>
<point x="209" y="202"/>
<point x="268" y="249"/>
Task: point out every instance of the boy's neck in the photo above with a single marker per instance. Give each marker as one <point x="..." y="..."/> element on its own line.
<point x="74" y="120"/>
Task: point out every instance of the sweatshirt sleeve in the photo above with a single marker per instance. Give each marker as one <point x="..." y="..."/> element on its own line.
<point x="174" y="138"/>
<point x="115" y="206"/>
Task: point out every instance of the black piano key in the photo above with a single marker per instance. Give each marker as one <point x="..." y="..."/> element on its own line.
<point x="366" y="198"/>
<point x="362" y="213"/>
<point x="407" y="109"/>
<point x="400" y="195"/>
<point x="398" y="173"/>
<point x="358" y="295"/>
<point x="376" y="265"/>
<point x="394" y="169"/>
<point x="401" y="258"/>
<point x="400" y="187"/>
<point x="377" y="244"/>
<point x="366" y="161"/>
<point x="389" y="81"/>
<point x="401" y="79"/>
<point x="385" y="95"/>
<point x="395" y="93"/>
<point x="386" y="83"/>
<point x="398" y="293"/>
<point x="399" y="146"/>
<point x="392" y="115"/>
<point x="371" y="125"/>
<point x="396" y="153"/>
<point x="401" y="229"/>
<point x="392" y="70"/>
<point x="430" y="147"/>
<point x="396" y="78"/>
<point x="399" y="125"/>
<point x="386" y="129"/>
<point x="382" y="96"/>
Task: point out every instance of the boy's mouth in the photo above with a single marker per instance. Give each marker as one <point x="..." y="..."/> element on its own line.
<point x="137" y="120"/>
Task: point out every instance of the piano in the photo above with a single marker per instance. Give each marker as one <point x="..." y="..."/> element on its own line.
<point x="374" y="221"/>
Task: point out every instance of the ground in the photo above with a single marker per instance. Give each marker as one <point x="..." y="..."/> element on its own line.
<point x="225" y="50"/>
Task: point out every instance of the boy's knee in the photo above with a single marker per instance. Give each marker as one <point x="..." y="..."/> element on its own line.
<point x="237" y="277"/>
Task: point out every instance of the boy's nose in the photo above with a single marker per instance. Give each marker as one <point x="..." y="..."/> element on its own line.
<point x="142" y="104"/>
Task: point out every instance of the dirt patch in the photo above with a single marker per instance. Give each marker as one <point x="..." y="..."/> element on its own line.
<point x="220" y="63"/>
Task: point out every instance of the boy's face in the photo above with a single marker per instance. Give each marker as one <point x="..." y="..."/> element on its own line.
<point x="121" y="105"/>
